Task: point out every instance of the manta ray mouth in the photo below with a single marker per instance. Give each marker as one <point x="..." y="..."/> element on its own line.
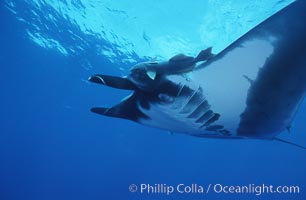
<point x="127" y="108"/>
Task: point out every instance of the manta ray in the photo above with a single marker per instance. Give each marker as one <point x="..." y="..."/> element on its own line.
<point x="250" y="90"/>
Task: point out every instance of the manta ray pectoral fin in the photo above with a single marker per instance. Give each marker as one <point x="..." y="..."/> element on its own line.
<point x="204" y="55"/>
<point x="151" y="74"/>
<point x="112" y="81"/>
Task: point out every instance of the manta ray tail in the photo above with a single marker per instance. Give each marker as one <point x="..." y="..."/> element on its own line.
<point x="204" y="55"/>
<point x="287" y="142"/>
<point x="112" y="81"/>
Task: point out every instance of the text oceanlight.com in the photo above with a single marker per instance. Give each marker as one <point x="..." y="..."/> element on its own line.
<point x="213" y="188"/>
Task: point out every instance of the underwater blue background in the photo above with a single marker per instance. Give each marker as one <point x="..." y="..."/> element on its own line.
<point x="53" y="147"/>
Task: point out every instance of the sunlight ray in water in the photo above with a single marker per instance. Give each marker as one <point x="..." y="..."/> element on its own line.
<point x="132" y="33"/>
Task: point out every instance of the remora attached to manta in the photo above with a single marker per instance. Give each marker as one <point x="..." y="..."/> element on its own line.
<point x="252" y="89"/>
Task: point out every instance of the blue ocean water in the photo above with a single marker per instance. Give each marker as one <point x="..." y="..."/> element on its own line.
<point x="53" y="147"/>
